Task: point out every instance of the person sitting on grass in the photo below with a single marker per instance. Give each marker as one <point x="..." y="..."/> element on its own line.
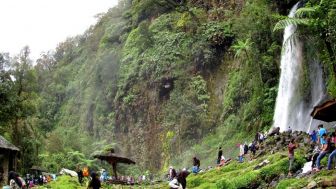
<point x="222" y="161"/>
<point x="196" y="165"/>
<point x="291" y="147"/>
<point x="182" y="178"/>
<point x="173" y="184"/>
<point x="220" y="153"/>
<point x="324" y="151"/>
<point x="241" y="153"/>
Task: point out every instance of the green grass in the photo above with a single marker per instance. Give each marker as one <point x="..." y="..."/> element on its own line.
<point x="233" y="176"/>
<point x="243" y="175"/>
<point x="63" y="182"/>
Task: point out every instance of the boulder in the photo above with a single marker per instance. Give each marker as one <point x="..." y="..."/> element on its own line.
<point x="274" y="131"/>
<point x="273" y="184"/>
<point x="312" y="185"/>
<point x="327" y="182"/>
<point x="262" y="164"/>
<point x="282" y="176"/>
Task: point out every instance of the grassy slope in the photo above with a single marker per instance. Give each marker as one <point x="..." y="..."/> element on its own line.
<point x="234" y="175"/>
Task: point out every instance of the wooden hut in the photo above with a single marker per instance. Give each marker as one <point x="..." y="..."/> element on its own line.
<point x="8" y="159"/>
<point x="326" y="111"/>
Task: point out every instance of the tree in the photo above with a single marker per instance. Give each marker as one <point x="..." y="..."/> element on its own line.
<point x="22" y="126"/>
<point x="242" y="49"/>
<point x="6" y="96"/>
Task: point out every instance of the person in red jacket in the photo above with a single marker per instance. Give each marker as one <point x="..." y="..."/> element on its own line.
<point x="291" y="147"/>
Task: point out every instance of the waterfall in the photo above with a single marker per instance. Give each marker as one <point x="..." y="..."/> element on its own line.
<point x="292" y="107"/>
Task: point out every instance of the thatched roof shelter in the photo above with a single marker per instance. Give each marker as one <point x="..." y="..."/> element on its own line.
<point x="113" y="159"/>
<point x="5" y="145"/>
<point x="326" y="111"/>
<point x="8" y="157"/>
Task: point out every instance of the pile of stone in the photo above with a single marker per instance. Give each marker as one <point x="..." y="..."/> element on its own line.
<point x="276" y="141"/>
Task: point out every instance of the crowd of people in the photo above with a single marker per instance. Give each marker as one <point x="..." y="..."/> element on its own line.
<point x="29" y="181"/>
<point x="323" y="141"/>
<point x="324" y="145"/>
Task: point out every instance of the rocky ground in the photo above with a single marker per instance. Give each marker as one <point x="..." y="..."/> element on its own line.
<point x="269" y="168"/>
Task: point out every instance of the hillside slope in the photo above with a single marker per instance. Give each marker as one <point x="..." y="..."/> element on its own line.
<point x="162" y="81"/>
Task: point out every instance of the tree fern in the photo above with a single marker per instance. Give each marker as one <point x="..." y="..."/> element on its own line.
<point x="305" y="12"/>
<point x="282" y="24"/>
<point x="242" y="47"/>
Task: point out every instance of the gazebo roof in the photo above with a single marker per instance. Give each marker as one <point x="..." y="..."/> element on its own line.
<point x="326" y="111"/>
<point x="37" y="168"/>
<point x="4" y="144"/>
<point x="112" y="157"/>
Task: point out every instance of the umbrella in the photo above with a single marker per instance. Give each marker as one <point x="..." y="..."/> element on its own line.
<point x="113" y="159"/>
<point x="326" y="111"/>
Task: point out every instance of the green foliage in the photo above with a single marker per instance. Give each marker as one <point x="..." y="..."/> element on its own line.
<point x="242" y="47"/>
<point x="147" y="9"/>
<point x="64" y="182"/>
<point x="54" y="162"/>
<point x="234" y="93"/>
<point x="218" y="33"/>
<point x="198" y="84"/>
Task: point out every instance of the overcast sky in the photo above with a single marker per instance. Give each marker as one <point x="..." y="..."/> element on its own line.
<point x="42" y="24"/>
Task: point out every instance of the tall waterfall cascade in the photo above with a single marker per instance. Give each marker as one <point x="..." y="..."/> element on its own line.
<point x="292" y="107"/>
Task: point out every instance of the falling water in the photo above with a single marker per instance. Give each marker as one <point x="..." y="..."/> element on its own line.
<point x="292" y="106"/>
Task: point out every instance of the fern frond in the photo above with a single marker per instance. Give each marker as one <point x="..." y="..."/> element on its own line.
<point x="282" y="24"/>
<point x="305" y="11"/>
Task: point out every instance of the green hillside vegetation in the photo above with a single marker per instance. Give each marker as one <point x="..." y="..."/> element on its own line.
<point x="162" y="81"/>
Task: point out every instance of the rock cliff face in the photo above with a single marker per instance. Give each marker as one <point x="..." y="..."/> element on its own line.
<point x="167" y="80"/>
<point x="183" y="79"/>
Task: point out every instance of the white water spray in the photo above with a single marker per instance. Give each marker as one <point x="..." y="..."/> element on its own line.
<point x="292" y="107"/>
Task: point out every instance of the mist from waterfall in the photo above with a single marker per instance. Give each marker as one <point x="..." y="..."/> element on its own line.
<point x="292" y="106"/>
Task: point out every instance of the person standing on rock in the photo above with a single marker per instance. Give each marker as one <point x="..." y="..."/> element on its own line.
<point x="333" y="152"/>
<point x="313" y="136"/>
<point x="291" y="147"/>
<point x="220" y="153"/>
<point x="323" y="152"/>
<point x="253" y="149"/>
<point x="321" y="131"/>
